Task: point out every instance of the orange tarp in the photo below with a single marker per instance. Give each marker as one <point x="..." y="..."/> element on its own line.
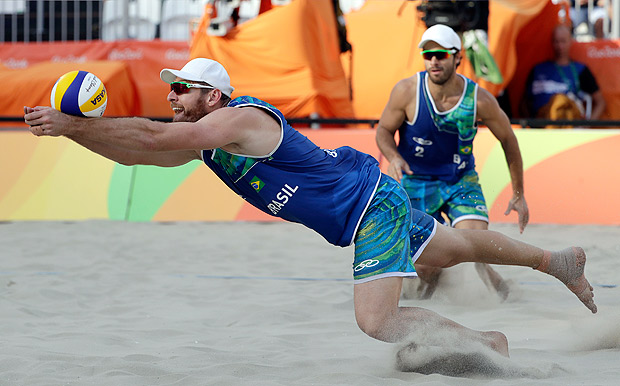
<point x="32" y="86"/>
<point x="143" y="61"/>
<point x="288" y="56"/>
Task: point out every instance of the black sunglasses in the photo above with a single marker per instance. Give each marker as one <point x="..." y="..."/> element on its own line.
<point x="180" y="88"/>
<point x="439" y="54"/>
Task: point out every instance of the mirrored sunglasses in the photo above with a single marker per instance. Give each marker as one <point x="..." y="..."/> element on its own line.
<point x="180" y="88"/>
<point x="439" y="54"/>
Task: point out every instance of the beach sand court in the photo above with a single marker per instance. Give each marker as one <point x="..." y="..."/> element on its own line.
<point x="192" y="303"/>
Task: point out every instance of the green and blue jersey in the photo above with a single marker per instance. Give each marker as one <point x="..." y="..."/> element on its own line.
<point x="326" y="190"/>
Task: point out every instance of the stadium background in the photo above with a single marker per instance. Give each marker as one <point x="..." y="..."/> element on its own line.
<point x="290" y="57"/>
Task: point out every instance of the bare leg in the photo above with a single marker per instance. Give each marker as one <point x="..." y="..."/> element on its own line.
<point x="378" y="315"/>
<point x="429" y="281"/>
<point x="429" y="275"/>
<point x="489" y="276"/>
<point x="453" y="246"/>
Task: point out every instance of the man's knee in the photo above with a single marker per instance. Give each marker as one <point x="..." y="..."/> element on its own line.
<point x="381" y="324"/>
<point x="371" y="323"/>
<point x="376" y="306"/>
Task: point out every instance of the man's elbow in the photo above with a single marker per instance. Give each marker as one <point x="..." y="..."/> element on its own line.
<point x="382" y="133"/>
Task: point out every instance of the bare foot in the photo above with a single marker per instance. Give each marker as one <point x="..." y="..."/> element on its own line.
<point x="568" y="266"/>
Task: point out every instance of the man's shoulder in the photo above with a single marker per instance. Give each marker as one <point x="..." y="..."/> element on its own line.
<point x="406" y="87"/>
<point x="485" y="99"/>
<point x="471" y="85"/>
<point x="468" y="80"/>
<point x="411" y="80"/>
<point x="255" y="104"/>
<point x="248" y="100"/>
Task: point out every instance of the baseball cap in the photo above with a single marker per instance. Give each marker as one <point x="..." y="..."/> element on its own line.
<point x="201" y="70"/>
<point x="442" y="35"/>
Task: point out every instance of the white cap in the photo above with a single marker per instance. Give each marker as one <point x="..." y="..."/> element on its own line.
<point x="201" y="70"/>
<point x="442" y="35"/>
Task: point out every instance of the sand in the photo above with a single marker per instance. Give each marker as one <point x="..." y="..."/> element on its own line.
<point x="115" y="303"/>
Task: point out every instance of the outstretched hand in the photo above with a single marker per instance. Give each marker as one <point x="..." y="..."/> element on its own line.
<point x="46" y="121"/>
<point x="519" y="205"/>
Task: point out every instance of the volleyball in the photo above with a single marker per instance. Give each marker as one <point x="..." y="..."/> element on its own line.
<point x="79" y="93"/>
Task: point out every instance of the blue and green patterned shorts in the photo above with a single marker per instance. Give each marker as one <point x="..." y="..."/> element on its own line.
<point x="391" y="235"/>
<point x="462" y="200"/>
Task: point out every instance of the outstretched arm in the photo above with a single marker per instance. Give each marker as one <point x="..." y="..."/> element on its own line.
<point x="137" y="140"/>
<point x="115" y="153"/>
<point x="392" y="117"/>
<point x="135" y="157"/>
<point x="128" y="133"/>
<point x="499" y="124"/>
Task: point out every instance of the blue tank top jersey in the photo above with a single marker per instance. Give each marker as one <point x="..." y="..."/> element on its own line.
<point x="326" y="190"/>
<point x="439" y="145"/>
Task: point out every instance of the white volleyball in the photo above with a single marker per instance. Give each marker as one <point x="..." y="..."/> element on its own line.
<point x="79" y="93"/>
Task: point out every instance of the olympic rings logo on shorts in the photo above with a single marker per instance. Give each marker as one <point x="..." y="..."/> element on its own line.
<point x="366" y="264"/>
